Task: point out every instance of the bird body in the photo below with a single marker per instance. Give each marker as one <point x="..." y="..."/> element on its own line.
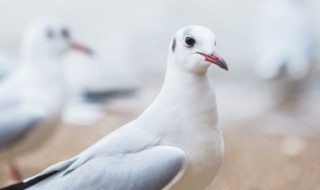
<point x="176" y="143"/>
<point x="194" y="118"/>
<point x="287" y="48"/>
<point x="286" y="40"/>
<point x="40" y="93"/>
<point x="32" y="96"/>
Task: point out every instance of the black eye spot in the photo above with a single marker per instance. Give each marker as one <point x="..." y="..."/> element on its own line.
<point x="173" y="45"/>
<point x="215" y="43"/>
<point x="190" y="41"/>
<point x="65" y="33"/>
<point x="50" y="34"/>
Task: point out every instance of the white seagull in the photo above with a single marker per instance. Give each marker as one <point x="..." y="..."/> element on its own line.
<point x="287" y="51"/>
<point x="286" y="40"/>
<point x="176" y="143"/>
<point x="31" y="97"/>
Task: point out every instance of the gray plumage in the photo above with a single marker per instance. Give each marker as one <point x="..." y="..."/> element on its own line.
<point x="137" y="163"/>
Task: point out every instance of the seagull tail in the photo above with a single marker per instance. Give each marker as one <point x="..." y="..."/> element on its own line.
<point x="102" y="96"/>
<point x="25" y="185"/>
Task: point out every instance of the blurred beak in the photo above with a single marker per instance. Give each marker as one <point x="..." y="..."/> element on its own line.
<point x="215" y="59"/>
<point x="81" y="48"/>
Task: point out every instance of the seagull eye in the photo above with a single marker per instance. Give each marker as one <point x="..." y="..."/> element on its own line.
<point x="215" y="43"/>
<point x="190" y="41"/>
<point x="65" y="33"/>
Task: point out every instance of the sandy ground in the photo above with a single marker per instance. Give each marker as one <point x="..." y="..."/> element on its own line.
<point x="256" y="158"/>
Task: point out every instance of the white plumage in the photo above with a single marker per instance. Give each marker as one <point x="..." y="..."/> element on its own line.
<point x="286" y="40"/>
<point x="287" y="48"/>
<point x="176" y="143"/>
<point x="32" y="96"/>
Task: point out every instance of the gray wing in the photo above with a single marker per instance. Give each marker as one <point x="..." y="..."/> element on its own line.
<point x="153" y="168"/>
<point x="17" y="116"/>
<point x="15" y="124"/>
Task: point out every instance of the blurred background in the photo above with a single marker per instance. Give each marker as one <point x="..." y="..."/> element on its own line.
<point x="269" y="101"/>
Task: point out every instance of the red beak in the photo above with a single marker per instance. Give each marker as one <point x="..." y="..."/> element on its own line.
<point x="215" y="59"/>
<point x="81" y="48"/>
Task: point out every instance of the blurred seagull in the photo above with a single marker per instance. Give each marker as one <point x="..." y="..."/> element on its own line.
<point x="87" y="92"/>
<point x="286" y="44"/>
<point x="175" y="144"/>
<point x="32" y="96"/>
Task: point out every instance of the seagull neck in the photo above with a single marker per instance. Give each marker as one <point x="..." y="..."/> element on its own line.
<point x="180" y="81"/>
<point x="44" y="73"/>
<point x="185" y="105"/>
<point x="193" y="93"/>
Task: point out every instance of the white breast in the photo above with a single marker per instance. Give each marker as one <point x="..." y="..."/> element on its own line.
<point x="184" y="115"/>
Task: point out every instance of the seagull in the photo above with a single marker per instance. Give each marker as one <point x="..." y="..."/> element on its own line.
<point x="176" y="143"/>
<point x="32" y="96"/>
<point x="287" y="40"/>
<point x="286" y="48"/>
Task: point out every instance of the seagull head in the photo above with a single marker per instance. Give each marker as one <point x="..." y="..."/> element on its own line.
<point x="49" y="38"/>
<point x="192" y="49"/>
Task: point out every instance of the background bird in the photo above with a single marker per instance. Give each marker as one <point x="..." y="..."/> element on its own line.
<point x="176" y="143"/>
<point x="32" y="96"/>
<point x="287" y="49"/>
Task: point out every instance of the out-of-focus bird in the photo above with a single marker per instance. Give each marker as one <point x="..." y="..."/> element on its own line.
<point x="91" y="80"/>
<point x="32" y="96"/>
<point x="176" y="143"/>
<point x="286" y="44"/>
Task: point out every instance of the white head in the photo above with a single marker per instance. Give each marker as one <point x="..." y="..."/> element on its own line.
<point x="193" y="49"/>
<point x="48" y="38"/>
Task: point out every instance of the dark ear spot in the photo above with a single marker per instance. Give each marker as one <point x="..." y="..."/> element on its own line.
<point x="50" y="34"/>
<point x="173" y="45"/>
